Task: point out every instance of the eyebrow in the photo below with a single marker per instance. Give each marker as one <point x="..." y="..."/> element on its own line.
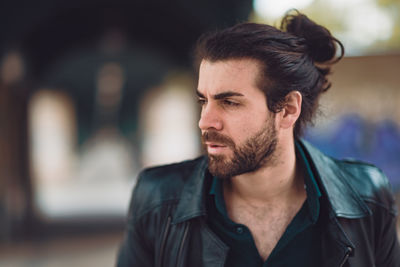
<point x="220" y="95"/>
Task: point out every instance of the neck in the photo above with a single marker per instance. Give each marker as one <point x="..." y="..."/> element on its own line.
<point x="279" y="182"/>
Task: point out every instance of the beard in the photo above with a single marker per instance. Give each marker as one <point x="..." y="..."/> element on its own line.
<point x="257" y="151"/>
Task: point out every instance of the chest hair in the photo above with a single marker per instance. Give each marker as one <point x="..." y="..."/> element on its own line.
<point x="266" y="223"/>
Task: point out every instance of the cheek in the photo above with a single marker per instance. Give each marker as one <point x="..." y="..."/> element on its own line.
<point x="244" y="123"/>
<point x="243" y="128"/>
<point x="253" y="121"/>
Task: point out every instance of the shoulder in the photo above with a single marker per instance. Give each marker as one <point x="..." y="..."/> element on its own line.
<point x="162" y="184"/>
<point x="369" y="182"/>
<point x="354" y="188"/>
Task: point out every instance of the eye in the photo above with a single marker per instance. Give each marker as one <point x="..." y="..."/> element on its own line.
<point x="228" y="102"/>
<point x="201" y="101"/>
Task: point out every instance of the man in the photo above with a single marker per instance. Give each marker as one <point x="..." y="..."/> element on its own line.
<point x="262" y="196"/>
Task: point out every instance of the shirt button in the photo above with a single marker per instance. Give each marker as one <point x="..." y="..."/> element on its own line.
<point x="239" y="230"/>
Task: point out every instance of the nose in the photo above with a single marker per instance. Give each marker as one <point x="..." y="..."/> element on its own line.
<point x="209" y="118"/>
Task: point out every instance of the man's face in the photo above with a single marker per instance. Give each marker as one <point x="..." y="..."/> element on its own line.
<point x="238" y="130"/>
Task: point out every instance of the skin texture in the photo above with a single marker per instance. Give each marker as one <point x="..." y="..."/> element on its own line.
<point x="257" y="144"/>
<point x="234" y="113"/>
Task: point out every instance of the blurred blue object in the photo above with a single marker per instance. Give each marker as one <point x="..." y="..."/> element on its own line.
<point x="356" y="138"/>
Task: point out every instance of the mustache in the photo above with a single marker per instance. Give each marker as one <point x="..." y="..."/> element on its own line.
<point x="212" y="136"/>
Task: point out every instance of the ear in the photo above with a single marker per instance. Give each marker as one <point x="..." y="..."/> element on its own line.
<point x="291" y="110"/>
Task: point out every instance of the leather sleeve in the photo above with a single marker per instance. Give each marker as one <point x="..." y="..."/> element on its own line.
<point x="388" y="249"/>
<point x="133" y="252"/>
<point x="136" y="250"/>
<point x="387" y="245"/>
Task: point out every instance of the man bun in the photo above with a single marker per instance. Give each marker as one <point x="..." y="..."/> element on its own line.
<point x="322" y="46"/>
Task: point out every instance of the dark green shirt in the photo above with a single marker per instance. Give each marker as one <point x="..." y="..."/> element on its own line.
<point x="300" y="243"/>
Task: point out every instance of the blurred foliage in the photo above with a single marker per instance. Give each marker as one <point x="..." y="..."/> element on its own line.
<point x="393" y="6"/>
<point x="335" y="18"/>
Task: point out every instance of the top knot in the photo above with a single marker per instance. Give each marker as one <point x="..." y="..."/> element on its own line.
<point x="320" y="42"/>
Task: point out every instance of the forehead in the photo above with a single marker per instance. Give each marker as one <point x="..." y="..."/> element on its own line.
<point x="237" y="75"/>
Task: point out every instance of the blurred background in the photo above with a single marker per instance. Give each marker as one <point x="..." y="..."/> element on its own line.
<point x="93" y="91"/>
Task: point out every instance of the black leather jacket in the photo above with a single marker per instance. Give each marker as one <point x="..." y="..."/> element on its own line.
<point x="167" y="217"/>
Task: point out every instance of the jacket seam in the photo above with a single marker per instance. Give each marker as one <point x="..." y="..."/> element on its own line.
<point x="216" y="240"/>
<point x="181" y="246"/>
<point x="349" y="215"/>
<point x="350" y="243"/>
<point x="152" y="208"/>
<point x="189" y="216"/>
<point x="164" y="240"/>
<point x="379" y="204"/>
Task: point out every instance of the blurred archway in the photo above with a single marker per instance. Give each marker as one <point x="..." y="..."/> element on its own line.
<point x="104" y="55"/>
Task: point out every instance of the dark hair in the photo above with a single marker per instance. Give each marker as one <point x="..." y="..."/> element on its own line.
<point x="295" y="57"/>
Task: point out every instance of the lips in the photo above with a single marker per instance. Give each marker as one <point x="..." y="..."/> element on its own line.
<point x="209" y="144"/>
<point x="216" y="143"/>
<point x="215" y="148"/>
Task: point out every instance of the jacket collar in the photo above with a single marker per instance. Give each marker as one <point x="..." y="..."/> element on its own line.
<point x="343" y="198"/>
<point x="192" y="202"/>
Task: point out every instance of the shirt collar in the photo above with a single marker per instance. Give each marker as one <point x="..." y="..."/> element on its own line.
<point x="312" y="189"/>
<point x="217" y="191"/>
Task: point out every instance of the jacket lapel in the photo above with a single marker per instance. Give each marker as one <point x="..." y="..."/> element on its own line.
<point x="335" y="245"/>
<point x="343" y="198"/>
<point x="192" y="203"/>
<point x="212" y="251"/>
<point x="340" y="200"/>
